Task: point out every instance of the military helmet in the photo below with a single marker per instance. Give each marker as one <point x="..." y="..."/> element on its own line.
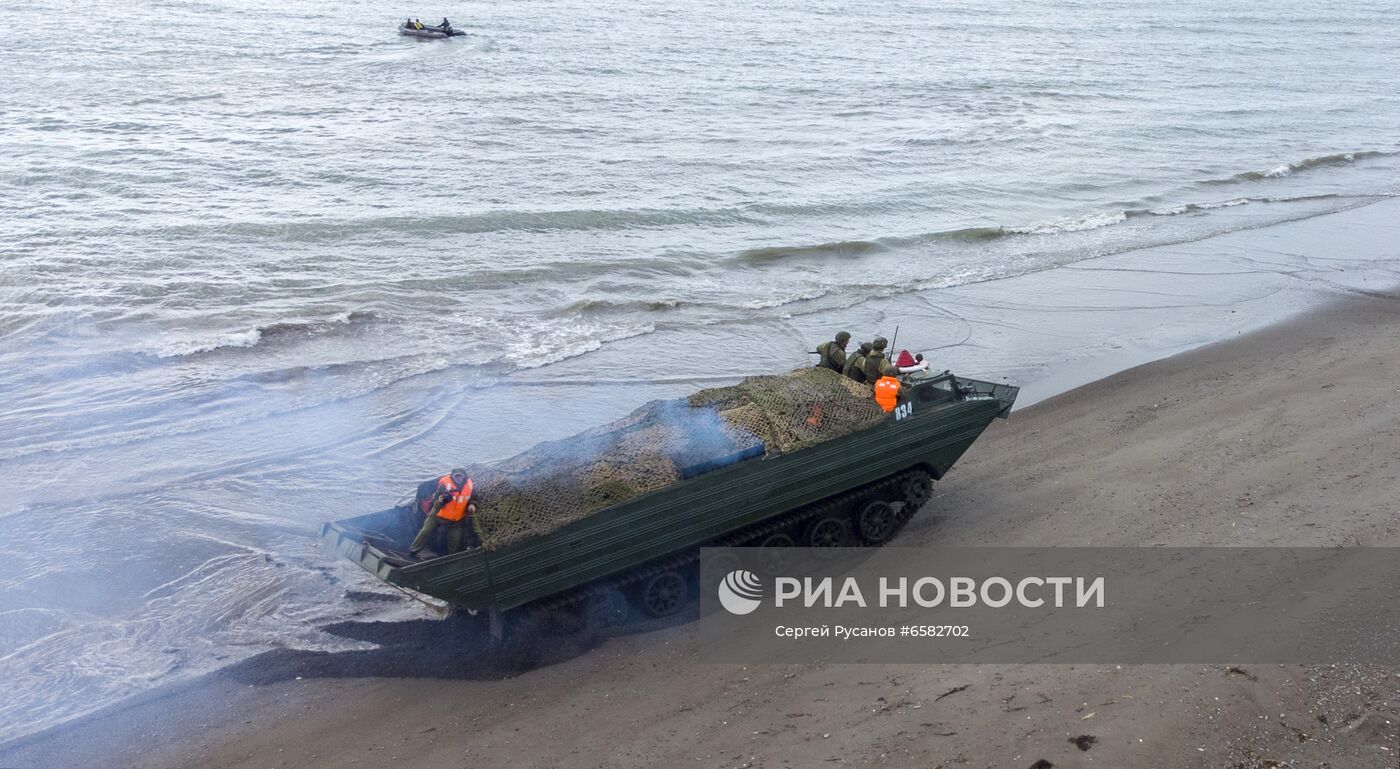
<point x="843" y="337"/>
<point x="880" y="343"/>
<point x="865" y="348"/>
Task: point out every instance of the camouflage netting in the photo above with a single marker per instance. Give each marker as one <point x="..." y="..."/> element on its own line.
<point x="661" y="443"/>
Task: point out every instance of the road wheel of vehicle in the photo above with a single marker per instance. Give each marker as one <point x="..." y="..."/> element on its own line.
<point x="826" y="531"/>
<point x="917" y="490"/>
<point x="664" y="594"/>
<point x="774" y="557"/>
<point x="719" y="565"/>
<point x="877" y="521"/>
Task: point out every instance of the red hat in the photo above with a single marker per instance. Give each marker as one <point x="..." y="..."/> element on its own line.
<point x="905" y="359"/>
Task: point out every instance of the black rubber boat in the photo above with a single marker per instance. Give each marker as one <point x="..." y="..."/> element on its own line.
<point x="430" y="33"/>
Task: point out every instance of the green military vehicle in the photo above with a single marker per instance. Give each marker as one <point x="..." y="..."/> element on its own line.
<point x="638" y="555"/>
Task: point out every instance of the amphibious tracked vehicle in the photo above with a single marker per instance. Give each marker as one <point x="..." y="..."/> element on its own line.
<point x="638" y="556"/>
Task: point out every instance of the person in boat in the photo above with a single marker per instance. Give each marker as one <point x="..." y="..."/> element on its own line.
<point x="417" y="24"/>
<point x="446" y="25"/>
<point x="887" y="389"/>
<point x="876" y="364"/>
<point x="833" y="354"/>
<point x="451" y="509"/>
<point x="855" y="365"/>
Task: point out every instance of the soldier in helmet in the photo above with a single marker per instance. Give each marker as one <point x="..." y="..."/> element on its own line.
<point x="833" y="354"/>
<point x="855" y="365"/>
<point x="876" y="364"/>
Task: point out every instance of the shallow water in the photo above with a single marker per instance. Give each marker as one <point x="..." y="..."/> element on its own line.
<point x="267" y="264"/>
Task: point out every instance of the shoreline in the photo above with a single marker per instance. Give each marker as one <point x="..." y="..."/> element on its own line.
<point x="1089" y="319"/>
<point x="1017" y="486"/>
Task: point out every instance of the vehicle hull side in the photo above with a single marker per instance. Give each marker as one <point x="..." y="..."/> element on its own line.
<point x="696" y="511"/>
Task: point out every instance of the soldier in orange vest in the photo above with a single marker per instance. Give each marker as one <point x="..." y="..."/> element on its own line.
<point x="452" y="509"/>
<point x="887" y="393"/>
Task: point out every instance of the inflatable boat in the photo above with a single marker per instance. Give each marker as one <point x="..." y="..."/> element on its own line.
<point x="429" y="33"/>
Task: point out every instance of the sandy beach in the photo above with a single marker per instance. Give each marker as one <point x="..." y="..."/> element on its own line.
<point x="1287" y="436"/>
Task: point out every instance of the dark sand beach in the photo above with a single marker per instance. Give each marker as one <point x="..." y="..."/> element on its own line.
<point x="1286" y="436"/>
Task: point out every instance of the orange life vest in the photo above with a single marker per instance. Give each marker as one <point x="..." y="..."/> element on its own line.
<point x="887" y="393"/>
<point x="455" y="508"/>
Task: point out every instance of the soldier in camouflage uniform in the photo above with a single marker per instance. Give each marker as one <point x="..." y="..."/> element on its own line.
<point x="834" y="353"/>
<point x="855" y="365"/>
<point x="876" y="364"/>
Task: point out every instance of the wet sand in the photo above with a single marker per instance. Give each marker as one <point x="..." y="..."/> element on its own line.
<point x="1287" y="436"/>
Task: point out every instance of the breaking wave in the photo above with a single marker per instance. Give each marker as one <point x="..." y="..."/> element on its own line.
<point x="179" y="345"/>
<point x="1288" y="169"/>
<point x="1187" y="208"/>
<point x="323" y="229"/>
<point x="1072" y="223"/>
<point x="854" y="248"/>
<point x="586" y="306"/>
<point x="839" y="248"/>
